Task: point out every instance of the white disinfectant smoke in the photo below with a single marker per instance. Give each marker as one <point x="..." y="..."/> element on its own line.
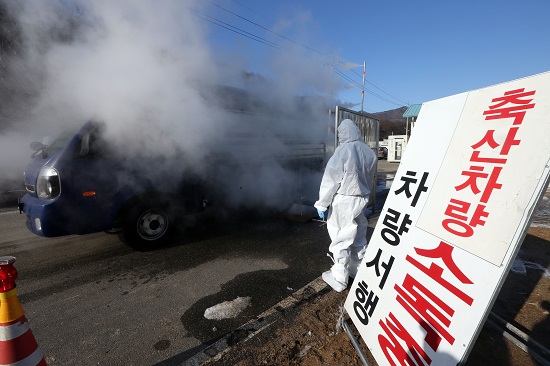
<point x="146" y="70"/>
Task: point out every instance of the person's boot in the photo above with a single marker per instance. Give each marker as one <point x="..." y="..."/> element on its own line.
<point x="338" y="275"/>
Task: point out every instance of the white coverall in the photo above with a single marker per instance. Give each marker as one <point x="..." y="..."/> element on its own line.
<point x="345" y="187"/>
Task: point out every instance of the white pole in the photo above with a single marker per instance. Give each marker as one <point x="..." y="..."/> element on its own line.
<point x="363" y="90"/>
<point x="407" y="130"/>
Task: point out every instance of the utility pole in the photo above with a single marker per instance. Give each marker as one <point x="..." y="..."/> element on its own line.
<point x="363" y="90"/>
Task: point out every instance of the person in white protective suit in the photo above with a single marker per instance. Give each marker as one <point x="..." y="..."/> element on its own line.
<point x="345" y="188"/>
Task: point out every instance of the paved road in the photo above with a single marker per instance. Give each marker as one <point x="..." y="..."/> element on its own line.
<point x="92" y="300"/>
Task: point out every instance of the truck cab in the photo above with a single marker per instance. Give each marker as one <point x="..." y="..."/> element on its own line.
<point x="50" y="203"/>
<point x="76" y="185"/>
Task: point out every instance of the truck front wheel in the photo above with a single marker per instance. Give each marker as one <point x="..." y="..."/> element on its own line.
<point x="146" y="226"/>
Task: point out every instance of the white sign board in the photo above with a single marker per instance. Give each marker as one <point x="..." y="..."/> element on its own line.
<point x="453" y="222"/>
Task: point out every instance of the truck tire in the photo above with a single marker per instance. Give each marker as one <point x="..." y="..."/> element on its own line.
<point x="147" y="226"/>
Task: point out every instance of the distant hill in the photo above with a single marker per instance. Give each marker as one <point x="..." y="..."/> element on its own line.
<point x="394" y="115"/>
<point x="392" y="122"/>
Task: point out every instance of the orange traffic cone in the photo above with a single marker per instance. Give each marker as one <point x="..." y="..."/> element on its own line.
<point x="17" y="343"/>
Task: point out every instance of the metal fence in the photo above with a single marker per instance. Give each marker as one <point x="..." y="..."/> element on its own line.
<point x="369" y="126"/>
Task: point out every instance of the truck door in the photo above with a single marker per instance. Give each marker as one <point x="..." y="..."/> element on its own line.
<point x="96" y="181"/>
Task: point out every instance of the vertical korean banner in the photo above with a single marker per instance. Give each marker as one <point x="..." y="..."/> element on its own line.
<point x="455" y="217"/>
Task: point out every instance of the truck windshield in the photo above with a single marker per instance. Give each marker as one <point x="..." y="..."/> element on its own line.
<point x="61" y="141"/>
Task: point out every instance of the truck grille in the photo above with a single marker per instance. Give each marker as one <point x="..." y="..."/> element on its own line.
<point x="29" y="187"/>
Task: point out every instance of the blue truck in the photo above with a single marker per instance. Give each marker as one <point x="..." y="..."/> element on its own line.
<point x="79" y="185"/>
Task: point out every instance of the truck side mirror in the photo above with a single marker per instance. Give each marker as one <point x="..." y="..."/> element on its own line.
<point x="85" y="144"/>
<point x="91" y="144"/>
<point x="38" y="148"/>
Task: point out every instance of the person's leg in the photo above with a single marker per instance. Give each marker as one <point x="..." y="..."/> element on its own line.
<point x="359" y="245"/>
<point x="342" y="228"/>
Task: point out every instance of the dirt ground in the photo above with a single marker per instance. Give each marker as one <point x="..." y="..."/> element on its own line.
<point x="306" y="333"/>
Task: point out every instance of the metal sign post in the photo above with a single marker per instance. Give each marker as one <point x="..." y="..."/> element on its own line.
<point x="355" y="343"/>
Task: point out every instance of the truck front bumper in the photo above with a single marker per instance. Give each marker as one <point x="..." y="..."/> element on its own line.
<point x="48" y="217"/>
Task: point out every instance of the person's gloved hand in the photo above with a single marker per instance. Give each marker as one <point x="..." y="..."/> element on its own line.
<point x="321" y="214"/>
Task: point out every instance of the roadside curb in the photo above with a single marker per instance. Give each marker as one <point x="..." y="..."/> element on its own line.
<point x="247" y="331"/>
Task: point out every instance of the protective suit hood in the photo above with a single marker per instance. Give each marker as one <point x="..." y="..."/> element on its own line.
<point x="348" y="132"/>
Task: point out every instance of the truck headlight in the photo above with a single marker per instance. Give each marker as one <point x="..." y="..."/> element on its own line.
<point x="48" y="184"/>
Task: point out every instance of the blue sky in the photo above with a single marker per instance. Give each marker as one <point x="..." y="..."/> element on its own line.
<point x="415" y="51"/>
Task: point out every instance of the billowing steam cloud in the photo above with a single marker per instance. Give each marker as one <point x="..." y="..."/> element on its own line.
<point x="146" y="70"/>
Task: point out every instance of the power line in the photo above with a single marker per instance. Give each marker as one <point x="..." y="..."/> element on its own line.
<point x="275" y="45"/>
<point x="240" y="31"/>
<point x="381" y="89"/>
<point x="267" y="29"/>
<point x="252" y="10"/>
<point x="347" y="78"/>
